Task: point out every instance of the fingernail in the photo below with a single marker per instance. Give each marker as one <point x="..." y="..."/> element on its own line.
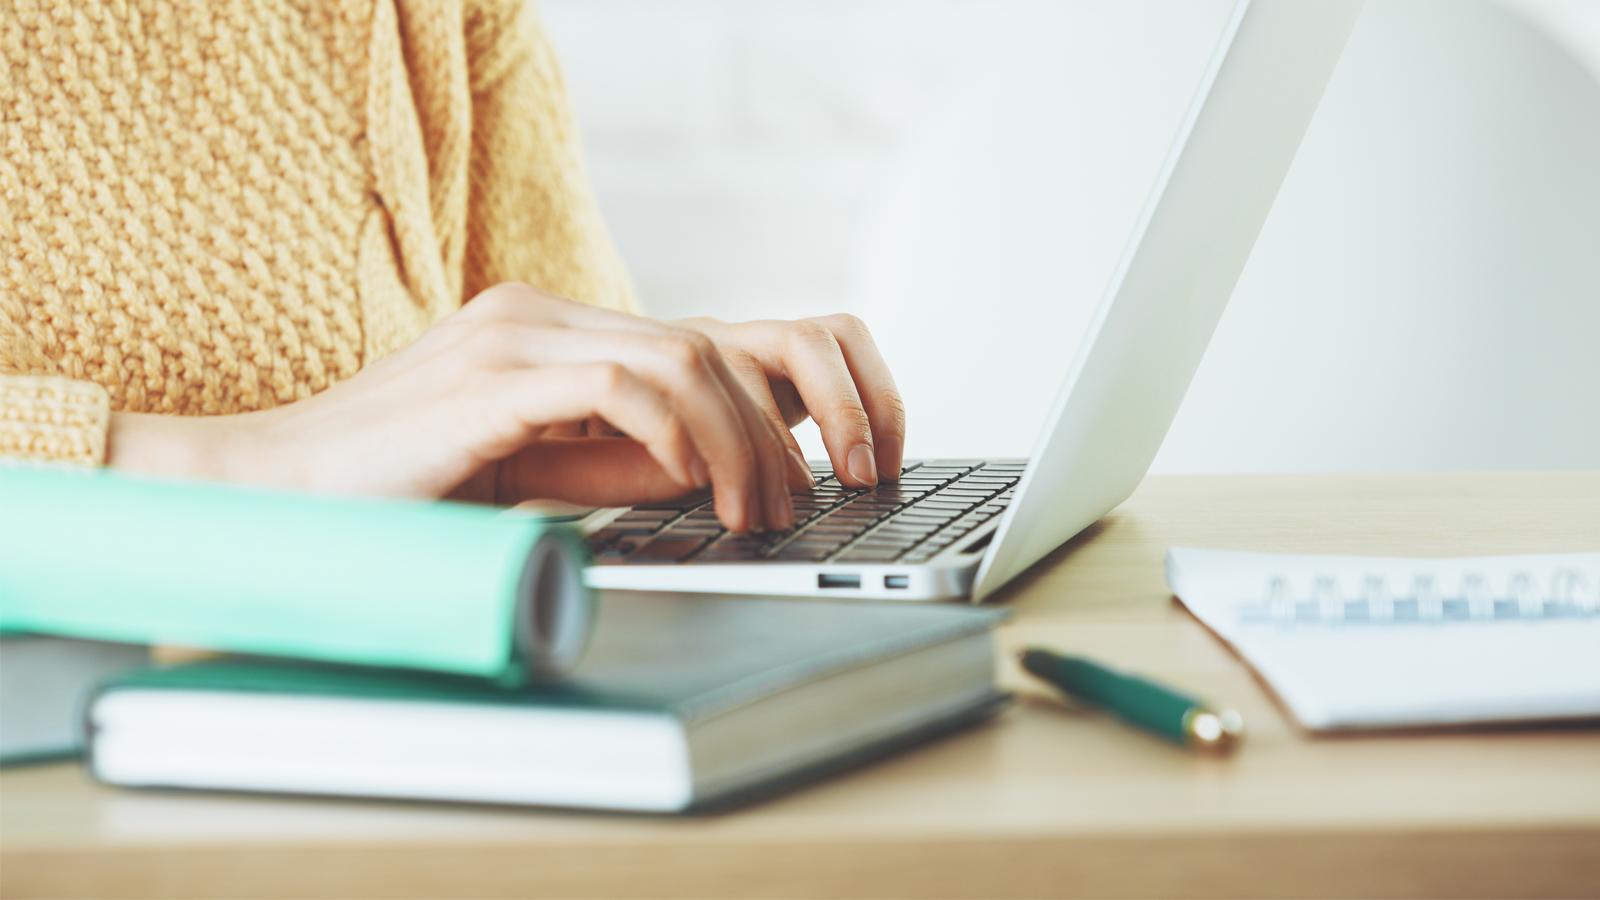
<point x="804" y="467"/>
<point x="699" y="472"/>
<point x="861" y="466"/>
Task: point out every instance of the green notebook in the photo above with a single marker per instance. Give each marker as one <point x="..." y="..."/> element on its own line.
<point x="442" y="586"/>
<point x="682" y="702"/>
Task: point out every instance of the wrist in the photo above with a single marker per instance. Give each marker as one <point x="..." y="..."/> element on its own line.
<point x="173" y="446"/>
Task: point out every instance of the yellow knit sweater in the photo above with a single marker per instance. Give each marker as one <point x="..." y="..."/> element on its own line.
<point x="217" y="206"/>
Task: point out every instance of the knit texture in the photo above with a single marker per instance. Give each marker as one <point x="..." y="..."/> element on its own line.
<point x="218" y="206"/>
<point x="52" y="420"/>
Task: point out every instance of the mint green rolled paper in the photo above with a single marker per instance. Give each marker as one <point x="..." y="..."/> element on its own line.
<point x="442" y="586"/>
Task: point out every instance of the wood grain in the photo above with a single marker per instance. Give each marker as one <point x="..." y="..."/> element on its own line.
<point x="1046" y="801"/>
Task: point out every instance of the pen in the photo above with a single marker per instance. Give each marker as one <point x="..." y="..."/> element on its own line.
<point x="1139" y="701"/>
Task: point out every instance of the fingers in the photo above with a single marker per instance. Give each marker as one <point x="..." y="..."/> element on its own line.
<point x="770" y="441"/>
<point x="747" y="370"/>
<point x="516" y="367"/>
<point x="810" y="356"/>
<point x="567" y="393"/>
<point x="842" y="381"/>
<point x="773" y="454"/>
<point x="832" y="364"/>
<point x="733" y="441"/>
<point x="875" y="385"/>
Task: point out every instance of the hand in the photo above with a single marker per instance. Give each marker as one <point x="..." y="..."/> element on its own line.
<point x="469" y="407"/>
<point x="828" y="368"/>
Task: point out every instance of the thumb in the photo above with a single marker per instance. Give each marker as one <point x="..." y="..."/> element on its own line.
<point x="586" y="471"/>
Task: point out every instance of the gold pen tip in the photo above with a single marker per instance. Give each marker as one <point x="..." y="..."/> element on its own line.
<point x="1219" y="730"/>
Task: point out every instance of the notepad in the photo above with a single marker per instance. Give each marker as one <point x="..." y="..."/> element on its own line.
<point x="1373" y="642"/>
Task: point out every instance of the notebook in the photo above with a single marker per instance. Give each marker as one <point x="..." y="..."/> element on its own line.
<point x="449" y="587"/>
<point x="44" y="683"/>
<point x="1370" y="642"/>
<point x="682" y="702"/>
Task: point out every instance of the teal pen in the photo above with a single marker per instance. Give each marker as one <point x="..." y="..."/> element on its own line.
<point x="1139" y="701"/>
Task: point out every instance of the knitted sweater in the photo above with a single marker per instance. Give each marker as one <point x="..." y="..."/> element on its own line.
<point x="217" y="206"/>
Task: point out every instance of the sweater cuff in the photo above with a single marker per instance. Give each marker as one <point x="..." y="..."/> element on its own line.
<point x="47" y="418"/>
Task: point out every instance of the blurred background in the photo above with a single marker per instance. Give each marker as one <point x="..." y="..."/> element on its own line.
<point x="963" y="175"/>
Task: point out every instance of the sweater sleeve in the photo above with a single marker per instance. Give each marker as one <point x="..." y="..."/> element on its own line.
<point x="532" y="214"/>
<point x="48" y="418"/>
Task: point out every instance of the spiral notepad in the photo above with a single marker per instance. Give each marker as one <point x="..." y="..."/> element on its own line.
<point x="1374" y="642"/>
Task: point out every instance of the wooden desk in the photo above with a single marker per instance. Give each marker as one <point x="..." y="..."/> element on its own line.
<point x="1042" y="802"/>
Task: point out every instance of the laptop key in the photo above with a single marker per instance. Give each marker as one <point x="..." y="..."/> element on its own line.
<point x="908" y="521"/>
<point x="805" y="552"/>
<point x="877" y="502"/>
<point x="898" y="500"/>
<point x="883" y="512"/>
<point x="690" y="501"/>
<point x="950" y="506"/>
<point x="836" y="537"/>
<point x="930" y="504"/>
<point x="630" y="529"/>
<point x="921" y="502"/>
<point x="931" y="517"/>
<point x="834" y="522"/>
<point x="902" y="495"/>
<point x="906" y="529"/>
<point x="692" y="530"/>
<point x="841" y="523"/>
<point x="648" y="515"/>
<point x="970" y="498"/>
<point x="720" y="553"/>
<point x="668" y="549"/>
<point x="855" y="512"/>
<point x="617" y="550"/>
<point x="887" y="542"/>
<point x="869" y="555"/>
<point x="741" y="546"/>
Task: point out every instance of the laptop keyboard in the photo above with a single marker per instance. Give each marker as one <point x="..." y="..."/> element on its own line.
<point x="933" y="505"/>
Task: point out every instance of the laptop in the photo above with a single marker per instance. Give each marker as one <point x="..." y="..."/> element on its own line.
<point x="962" y="528"/>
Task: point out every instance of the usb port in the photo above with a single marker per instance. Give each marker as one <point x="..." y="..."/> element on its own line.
<point x="897" y="582"/>
<point x="838" y="581"/>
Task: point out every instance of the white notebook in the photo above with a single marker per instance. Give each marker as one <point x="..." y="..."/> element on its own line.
<point x="1374" y="642"/>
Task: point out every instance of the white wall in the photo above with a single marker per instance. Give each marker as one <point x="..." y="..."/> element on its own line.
<point x="1426" y="294"/>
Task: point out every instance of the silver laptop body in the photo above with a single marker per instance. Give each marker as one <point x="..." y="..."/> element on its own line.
<point x="964" y="528"/>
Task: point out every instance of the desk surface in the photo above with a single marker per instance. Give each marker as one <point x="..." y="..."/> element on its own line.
<point x="1041" y="802"/>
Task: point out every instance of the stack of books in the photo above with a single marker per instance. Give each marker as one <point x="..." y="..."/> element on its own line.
<point x="527" y="693"/>
<point x="680" y="703"/>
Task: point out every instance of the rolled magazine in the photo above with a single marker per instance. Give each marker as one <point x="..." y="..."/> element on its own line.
<point x="438" y="586"/>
